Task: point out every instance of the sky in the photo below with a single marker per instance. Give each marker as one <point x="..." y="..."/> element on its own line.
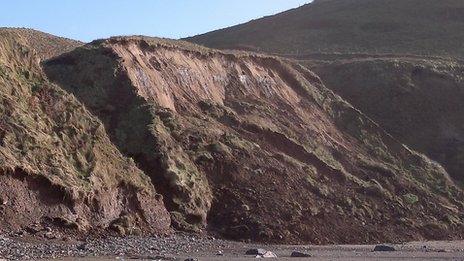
<point x="87" y="20"/>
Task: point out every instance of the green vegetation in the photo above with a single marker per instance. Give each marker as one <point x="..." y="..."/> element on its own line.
<point x="410" y="199"/>
<point x="38" y="43"/>
<point x="417" y="101"/>
<point x="139" y="128"/>
<point x="47" y="135"/>
<point x="423" y="27"/>
<point x="252" y="166"/>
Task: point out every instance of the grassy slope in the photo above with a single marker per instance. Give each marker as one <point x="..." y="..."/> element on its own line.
<point x="45" y="45"/>
<point x="419" y="101"/>
<point x="46" y="134"/>
<point x="430" y="27"/>
<point x="35" y="110"/>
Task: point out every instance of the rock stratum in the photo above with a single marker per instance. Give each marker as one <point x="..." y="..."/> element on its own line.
<point x="398" y="61"/>
<point x="255" y="147"/>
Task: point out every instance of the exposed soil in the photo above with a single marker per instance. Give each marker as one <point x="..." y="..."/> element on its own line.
<point x="252" y="147"/>
<point x="58" y="167"/>
<point x="399" y="62"/>
<point x="137" y="136"/>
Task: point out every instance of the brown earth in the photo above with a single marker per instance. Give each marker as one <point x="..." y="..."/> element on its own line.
<point x="417" y="100"/>
<point x="253" y="147"/>
<point x="58" y="167"/>
<point x="398" y="61"/>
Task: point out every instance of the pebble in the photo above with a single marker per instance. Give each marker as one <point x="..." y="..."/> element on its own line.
<point x="256" y="251"/>
<point x="269" y="254"/>
<point x="124" y="248"/>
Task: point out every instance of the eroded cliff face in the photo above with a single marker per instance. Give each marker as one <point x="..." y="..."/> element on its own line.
<point x="418" y="101"/>
<point x="58" y="167"/>
<point x="253" y="147"/>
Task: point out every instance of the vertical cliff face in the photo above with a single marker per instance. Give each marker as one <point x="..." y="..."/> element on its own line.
<point x="419" y="101"/>
<point x="57" y="165"/>
<point x="253" y="147"/>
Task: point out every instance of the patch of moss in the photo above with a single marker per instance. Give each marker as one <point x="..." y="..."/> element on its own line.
<point x="410" y="198"/>
<point x="233" y="141"/>
<point x="169" y="119"/>
<point x="219" y="147"/>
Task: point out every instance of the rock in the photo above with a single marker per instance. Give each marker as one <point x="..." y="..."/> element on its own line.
<point x="50" y="235"/>
<point x="33" y="230"/>
<point x="82" y="246"/>
<point x="191" y="259"/>
<point x="256" y="251"/>
<point x="220" y="253"/>
<point x="269" y="254"/>
<point x="260" y="253"/>
<point x="119" y="229"/>
<point x="136" y="231"/>
<point x="384" y="248"/>
<point x="299" y="254"/>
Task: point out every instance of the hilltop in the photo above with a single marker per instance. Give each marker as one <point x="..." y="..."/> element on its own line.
<point x="421" y="27"/>
<point x="45" y="45"/>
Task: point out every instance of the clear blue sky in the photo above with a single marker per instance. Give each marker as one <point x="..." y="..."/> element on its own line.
<point x="87" y="20"/>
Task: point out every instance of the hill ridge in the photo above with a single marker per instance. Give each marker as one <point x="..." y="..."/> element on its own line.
<point x="392" y="26"/>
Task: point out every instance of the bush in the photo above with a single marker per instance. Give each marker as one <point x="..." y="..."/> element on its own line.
<point x="411" y="198"/>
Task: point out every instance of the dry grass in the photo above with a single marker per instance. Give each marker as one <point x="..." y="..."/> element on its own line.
<point x="45" y="131"/>
<point x="423" y="27"/>
<point x="45" y="45"/>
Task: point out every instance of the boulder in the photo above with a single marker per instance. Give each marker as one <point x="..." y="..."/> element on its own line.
<point x="300" y="254"/>
<point x="384" y="248"/>
<point x="256" y="251"/>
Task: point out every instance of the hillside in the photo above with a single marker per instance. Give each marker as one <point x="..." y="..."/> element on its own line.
<point x="45" y="45"/>
<point x="423" y="27"/>
<point x="418" y="101"/>
<point x="254" y="147"/>
<point x="385" y="57"/>
<point x="58" y="168"/>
